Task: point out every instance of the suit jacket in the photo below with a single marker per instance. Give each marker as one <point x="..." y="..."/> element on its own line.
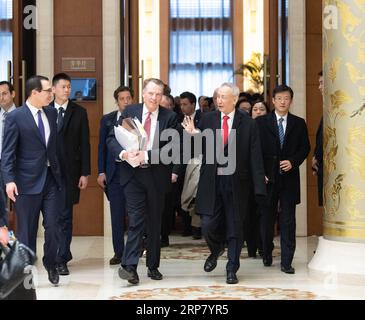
<point x="180" y="168"/>
<point x="74" y="149"/>
<point x="249" y="165"/>
<point x="161" y="172"/>
<point x="318" y="153"/>
<point x="24" y="155"/>
<point x="106" y="162"/>
<point x="296" y="148"/>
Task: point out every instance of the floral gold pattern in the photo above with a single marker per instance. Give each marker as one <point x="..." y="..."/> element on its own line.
<point x="218" y="293"/>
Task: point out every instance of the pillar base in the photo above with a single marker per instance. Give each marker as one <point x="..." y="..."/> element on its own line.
<point x="338" y="263"/>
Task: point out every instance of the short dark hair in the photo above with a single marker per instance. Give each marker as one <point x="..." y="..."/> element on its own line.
<point x="171" y="98"/>
<point x="264" y="103"/>
<point x="166" y="90"/>
<point x="283" y="88"/>
<point x="60" y="76"/>
<point x="320" y="73"/>
<point x="7" y="83"/>
<point x="34" y="83"/>
<point x="188" y="95"/>
<point x="241" y="100"/>
<point x="122" y="89"/>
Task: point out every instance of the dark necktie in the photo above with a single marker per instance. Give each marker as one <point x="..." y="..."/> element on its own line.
<point x="61" y="111"/>
<point x="147" y="125"/>
<point x="225" y="130"/>
<point x="41" y="129"/>
<point x="3" y="127"/>
<point x="281" y="132"/>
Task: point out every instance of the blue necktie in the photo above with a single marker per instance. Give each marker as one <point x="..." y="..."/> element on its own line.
<point x="41" y="129"/>
<point x="281" y="132"/>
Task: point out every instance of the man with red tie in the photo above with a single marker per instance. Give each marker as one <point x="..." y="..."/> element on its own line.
<point x="223" y="190"/>
<point x="146" y="180"/>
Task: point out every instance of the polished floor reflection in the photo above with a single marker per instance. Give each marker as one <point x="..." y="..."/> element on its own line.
<point x="182" y="266"/>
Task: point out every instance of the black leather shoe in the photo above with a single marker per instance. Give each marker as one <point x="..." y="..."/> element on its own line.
<point x="154" y="274"/>
<point x="197" y="233"/>
<point x="289" y="270"/>
<point x="165" y="242"/>
<point x="53" y="276"/>
<point x="211" y="261"/>
<point x="62" y="269"/>
<point x="267" y="260"/>
<point x="115" y="260"/>
<point x="129" y="274"/>
<point x="231" y="278"/>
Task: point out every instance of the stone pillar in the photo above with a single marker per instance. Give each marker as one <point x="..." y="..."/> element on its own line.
<point x="341" y="252"/>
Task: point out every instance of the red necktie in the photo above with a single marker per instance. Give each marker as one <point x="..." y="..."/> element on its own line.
<point x="147" y="125"/>
<point x="225" y="130"/>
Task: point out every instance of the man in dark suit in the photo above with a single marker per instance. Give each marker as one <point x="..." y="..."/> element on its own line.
<point x="285" y="145"/>
<point x="73" y="132"/>
<point x="188" y="109"/>
<point x="31" y="170"/>
<point x="109" y="173"/>
<point x="145" y="185"/>
<point x="317" y="160"/>
<point x="7" y="105"/>
<point x="223" y="190"/>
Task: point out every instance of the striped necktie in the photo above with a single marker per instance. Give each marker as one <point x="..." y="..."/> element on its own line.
<point x="281" y="132"/>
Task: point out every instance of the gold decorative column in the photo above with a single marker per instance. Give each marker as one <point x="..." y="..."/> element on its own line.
<point x="344" y="120"/>
<point x="340" y="255"/>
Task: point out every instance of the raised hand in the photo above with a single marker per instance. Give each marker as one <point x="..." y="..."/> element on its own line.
<point x="188" y="125"/>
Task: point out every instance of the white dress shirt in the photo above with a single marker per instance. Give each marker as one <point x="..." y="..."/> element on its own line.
<point x="285" y="122"/>
<point x="230" y="121"/>
<point x="58" y="106"/>
<point x="2" y="124"/>
<point x="154" y="117"/>
<point x="34" y="112"/>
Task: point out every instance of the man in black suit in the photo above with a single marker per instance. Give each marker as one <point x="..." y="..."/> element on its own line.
<point x="73" y="132"/>
<point x="223" y="190"/>
<point x="146" y="180"/>
<point x="109" y="173"/>
<point x="317" y="160"/>
<point x="31" y="170"/>
<point x="188" y="109"/>
<point x="285" y="145"/>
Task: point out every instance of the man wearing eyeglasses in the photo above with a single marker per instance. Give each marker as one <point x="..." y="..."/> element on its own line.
<point x="285" y="146"/>
<point x="31" y="170"/>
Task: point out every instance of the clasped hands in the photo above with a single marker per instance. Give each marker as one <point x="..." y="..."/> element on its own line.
<point x="134" y="158"/>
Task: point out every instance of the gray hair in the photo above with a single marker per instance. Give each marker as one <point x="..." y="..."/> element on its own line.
<point x="234" y="88"/>
<point x="157" y="82"/>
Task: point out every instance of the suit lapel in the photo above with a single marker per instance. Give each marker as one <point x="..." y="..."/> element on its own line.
<point x="139" y="114"/>
<point x="69" y="111"/>
<point x="289" y="126"/>
<point x="51" y="127"/>
<point x="33" y="125"/>
<point x="273" y="126"/>
<point x="161" y="123"/>
<point x="236" y="120"/>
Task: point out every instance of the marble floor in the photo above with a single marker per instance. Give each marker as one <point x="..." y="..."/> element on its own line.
<point x="92" y="278"/>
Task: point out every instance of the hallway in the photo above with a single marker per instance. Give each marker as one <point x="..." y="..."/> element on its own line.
<point x="184" y="279"/>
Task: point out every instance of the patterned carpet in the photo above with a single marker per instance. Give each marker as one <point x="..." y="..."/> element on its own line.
<point x="218" y="293"/>
<point x="198" y="250"/>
